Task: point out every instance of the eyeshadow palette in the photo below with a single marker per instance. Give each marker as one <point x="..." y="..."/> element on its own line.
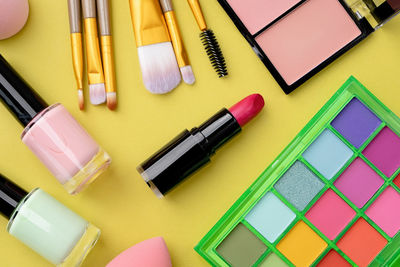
<point x="295" y="39"/>
<point x="331" y="198"/>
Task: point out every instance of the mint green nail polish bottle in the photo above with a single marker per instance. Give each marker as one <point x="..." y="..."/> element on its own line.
<point x="45" y="225"/>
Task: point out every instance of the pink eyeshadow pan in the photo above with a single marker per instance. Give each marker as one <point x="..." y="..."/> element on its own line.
<point x="359" y="182"/>
<point x="306" y="37"/>
<point x="330" y="214"/>
<point x="384" y="151"/>
<point x="385" y="211"/>
<point x="257" y="14"/>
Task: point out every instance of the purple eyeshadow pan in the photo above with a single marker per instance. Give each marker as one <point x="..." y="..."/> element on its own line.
<point x="356" y="122"/>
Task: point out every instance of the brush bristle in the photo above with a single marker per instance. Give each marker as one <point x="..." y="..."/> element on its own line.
<point x="81" y="101"/>
<point x="214" y="52"/>
<point x="159" y="67"/>
<point x="112" y="100"/>
<point x="187" y="74"/>
<point x="97" y="93"/>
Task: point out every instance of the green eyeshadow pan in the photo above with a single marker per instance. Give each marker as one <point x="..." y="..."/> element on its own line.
<point x="273" y="260"/>
<point x="241" y="248"/>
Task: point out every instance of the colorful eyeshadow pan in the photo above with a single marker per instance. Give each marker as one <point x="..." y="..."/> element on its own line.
<point x="384" y="151"/>
<point x="329" y="199"/>
<point x="359" y="182"/>
<point x="273" y="260"/>
<point x="385" y="211"/>
<point x="328" y="154"/>
<point x="333" y="259"/>
<point x="241" y="247"/>
<point x="299" y="185"/>
<point x="362" y="243"/>
<point x="270" y="217"/>
<point x="330" y="214"/>
<point x="396" y="180"/>
<point x="311" y="245"/>
<point x="356" y="123"/>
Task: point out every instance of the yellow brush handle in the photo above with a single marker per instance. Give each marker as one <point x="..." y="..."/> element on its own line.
<point x="179" y="48"/>
<point x="198" y="14"/>
<point x="148" y="22"/>
<point x="77" y="58"/>
<point x="94" y="66"/>
<point x="108" y="63"/>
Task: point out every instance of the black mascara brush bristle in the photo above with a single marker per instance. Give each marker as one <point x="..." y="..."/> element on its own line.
<point x="214" y="52"/>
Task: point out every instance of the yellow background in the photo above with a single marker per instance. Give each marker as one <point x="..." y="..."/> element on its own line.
<point x="119" y="202"/>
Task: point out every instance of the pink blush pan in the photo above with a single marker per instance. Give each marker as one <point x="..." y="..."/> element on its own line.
<point x="259" y="13"/>
<point x="306" y="37"/>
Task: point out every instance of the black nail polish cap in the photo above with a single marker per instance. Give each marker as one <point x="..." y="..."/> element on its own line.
<point x="20" y="99"/>
<point x="10" y="196"/>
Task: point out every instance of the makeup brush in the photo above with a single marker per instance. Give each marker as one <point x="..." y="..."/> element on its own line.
<point x="103" y="11"/>
<point x="94" y="67"/>
<point x="177" y="43"/>
<point x="156" y="56"/>
<point x="75" y="26"/>
<point x="209" y="41"/>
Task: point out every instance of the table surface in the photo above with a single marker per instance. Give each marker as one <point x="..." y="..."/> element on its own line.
<point x="119" y="202"/>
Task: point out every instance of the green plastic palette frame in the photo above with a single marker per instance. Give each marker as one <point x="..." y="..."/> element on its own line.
<point x="389" y="256"/>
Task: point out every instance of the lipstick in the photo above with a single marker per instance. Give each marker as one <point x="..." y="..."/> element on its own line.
<point x="191" y="150"/>
<point x="52" y="134"/>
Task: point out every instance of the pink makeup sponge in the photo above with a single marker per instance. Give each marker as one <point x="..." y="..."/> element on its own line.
<point x="13" y="16"/>
<point x="149" y="253"/>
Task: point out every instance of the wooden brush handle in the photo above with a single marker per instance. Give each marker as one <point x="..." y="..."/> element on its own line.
<point x="198" y="14"/>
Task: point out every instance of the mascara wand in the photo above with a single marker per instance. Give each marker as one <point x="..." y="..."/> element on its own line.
<point x="209" y="41"/>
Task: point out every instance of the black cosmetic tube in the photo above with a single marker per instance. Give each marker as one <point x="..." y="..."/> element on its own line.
<point x="188" y="152"/>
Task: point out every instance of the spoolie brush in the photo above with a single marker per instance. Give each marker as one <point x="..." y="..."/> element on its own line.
<point x="209" y="41"/>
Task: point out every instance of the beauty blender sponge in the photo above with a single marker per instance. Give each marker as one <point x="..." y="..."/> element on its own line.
<point x="150" y="253"/>
<point x="13" y="16"/>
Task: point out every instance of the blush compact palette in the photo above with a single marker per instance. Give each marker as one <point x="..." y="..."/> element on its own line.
<point x="295" y="39"/>
<point x="331" y="198"/>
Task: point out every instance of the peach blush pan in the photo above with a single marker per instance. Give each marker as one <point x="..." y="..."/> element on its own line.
<point x="306" y="37"/>
<point x="260" y="13"/>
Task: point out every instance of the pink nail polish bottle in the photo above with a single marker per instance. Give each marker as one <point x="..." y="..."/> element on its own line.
<point x="52" y="134"/>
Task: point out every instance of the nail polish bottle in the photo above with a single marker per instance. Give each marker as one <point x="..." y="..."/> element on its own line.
<point x="52" y="134"/>
<point x="45" y="225"/>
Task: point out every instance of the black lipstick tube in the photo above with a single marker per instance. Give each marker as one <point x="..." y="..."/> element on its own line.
<point x="188" y="152"/>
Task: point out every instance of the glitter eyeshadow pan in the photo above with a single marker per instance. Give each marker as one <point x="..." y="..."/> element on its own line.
<point x="330" y="199"/>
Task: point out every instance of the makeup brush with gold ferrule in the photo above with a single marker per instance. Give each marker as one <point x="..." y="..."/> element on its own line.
<point x="209" y="41"/>
<point x="75" y="25"/>
<point x="156" y="56"/>
<point x="177" y="43"/>
<point x="103" y="13"/>
<point x="93" y="57"/>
